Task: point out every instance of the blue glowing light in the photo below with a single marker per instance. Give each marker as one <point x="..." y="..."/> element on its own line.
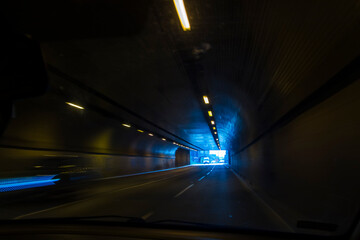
<point x="212" y="157"/>
<point x="209" y="164"/>
<point x="219" y="153"/>
<point x="19" y="183"/>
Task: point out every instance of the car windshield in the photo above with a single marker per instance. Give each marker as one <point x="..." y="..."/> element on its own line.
<point x="238" y="114"/>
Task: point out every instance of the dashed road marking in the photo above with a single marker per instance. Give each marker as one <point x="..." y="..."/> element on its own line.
<point x="201" y="178"/>
<point x="90" y="197"/>
<point x="188" y="187"/>
<point x="146" y="216"/>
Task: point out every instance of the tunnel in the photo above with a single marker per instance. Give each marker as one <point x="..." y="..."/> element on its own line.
<point x="123" y="90"/>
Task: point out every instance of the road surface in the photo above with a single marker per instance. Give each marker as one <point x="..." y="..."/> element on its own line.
<point x="210" y="194"/>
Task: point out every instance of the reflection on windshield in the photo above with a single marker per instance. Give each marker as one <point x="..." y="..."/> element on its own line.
<point x="240" y="114"/>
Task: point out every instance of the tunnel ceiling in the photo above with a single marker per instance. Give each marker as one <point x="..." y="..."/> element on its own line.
<point x="254" y="59"/>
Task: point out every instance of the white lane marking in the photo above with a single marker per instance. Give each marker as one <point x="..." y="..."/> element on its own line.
<point x="95" y="195"/>
<point x="201" y="178"/>
<point x="210" y="170"/>
<point x="177" y="195"/>
<point x="146" y="216"/>
<point x="47" y="209"/>
<point x="261" y="200"/>
<point x="90" y="197"/>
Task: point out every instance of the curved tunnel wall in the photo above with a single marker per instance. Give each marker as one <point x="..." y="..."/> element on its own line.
<point x="307" y="168"/>
<point x="45" y="127"/>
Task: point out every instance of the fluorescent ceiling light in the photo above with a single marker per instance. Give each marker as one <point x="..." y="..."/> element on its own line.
<point x="163" y="139"/>
<point x="150" y="134"/>
<point x="180" y="8"/>
<point x="215" y="132"/>
<point x="74" y="105"/>
<point x="212" y="122"/>
<point x="206" y="99"/>
<point x="126" y="125"/>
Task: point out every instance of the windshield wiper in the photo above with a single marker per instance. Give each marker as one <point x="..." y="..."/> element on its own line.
<point x="129" y="219"/>
<point x="103" y="217"/>
<point x="171" y="221"/>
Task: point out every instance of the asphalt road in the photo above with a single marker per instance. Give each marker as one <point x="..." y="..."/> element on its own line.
<point x="203" y="194"/>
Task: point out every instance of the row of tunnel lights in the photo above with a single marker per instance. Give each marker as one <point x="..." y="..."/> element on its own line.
<point x="211" y="115"/>
<point x="162" y="138"/>
<point x="180" y="8"/>
<point x="139" y="130"/>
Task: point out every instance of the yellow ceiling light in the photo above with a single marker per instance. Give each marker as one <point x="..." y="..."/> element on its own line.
<point x="210" y="113"/>
<point x="74" y="105"/>
<point x="140" y="130"/>
<point x="214" y="128"/>
<point x="206" y="99"/>
<point x="180" y="8"/>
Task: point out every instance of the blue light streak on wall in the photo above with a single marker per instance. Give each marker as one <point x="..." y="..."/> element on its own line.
<point x="19" y="183"/>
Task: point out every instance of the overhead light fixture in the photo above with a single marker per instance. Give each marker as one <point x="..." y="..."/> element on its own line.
<point x="140" y="130"/>
<point x="210" y="113"/>
<point x="126" y="125"/>
<point x="74" y="105"/>
<point x="206" y="99"/>
<point x="180" y="8"/>
<point x="217" y="139"/>
<point x="164" y="139"/>
<point x="150" y="134"/>
<point x="215" y="132"/>
<point x="214" y="128"/>
<point x="175" y="143"/>
<point x="212" y="122"/>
